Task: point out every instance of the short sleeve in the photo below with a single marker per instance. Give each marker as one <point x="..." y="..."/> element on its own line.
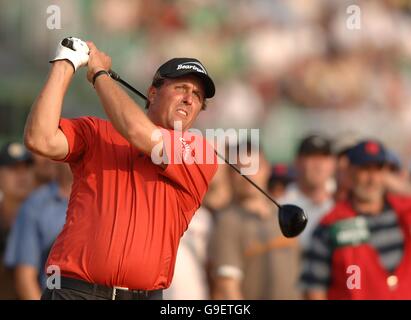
<point x="316" y="262"/>
<point x="191" y="164"/>
<point x="226" y="248"/>
<point x="80" y="134"/>
<point x="24" y="243"/>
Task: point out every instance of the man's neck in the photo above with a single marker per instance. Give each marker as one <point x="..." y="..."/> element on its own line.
<point x="318" y="195"/>
<point x="368" y="207"/>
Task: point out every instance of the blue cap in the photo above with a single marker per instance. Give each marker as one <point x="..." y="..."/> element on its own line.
<point x="14" y="152"/>
<point x="393" y="160"/>
<point x="281" y="172"/>
<point x="367" y="152"/>
<point x="314" y="144"/>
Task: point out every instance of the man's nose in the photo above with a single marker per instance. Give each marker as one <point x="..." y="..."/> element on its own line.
<point x="188" y="97"/>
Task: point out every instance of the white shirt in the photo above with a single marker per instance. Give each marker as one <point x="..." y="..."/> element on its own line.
<point x="314" y="211"/>
<point x="190" y="278"/>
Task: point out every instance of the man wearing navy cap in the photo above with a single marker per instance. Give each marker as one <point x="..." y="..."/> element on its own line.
<point x="361" y="248"/>
<point x="315" y="165"/>
<point x="15" y="184"/>
<point x="16" y="181"/>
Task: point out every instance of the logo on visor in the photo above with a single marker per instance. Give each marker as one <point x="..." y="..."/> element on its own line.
<point x="192" y="65"/>
<point x="372" y="148"/>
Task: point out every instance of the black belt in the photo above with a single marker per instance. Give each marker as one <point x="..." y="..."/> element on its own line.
<point x="116" y="293"/>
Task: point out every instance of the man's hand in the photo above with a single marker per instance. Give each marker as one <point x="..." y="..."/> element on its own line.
<point x="77" y="55"/>
<point x="98" y="60"/>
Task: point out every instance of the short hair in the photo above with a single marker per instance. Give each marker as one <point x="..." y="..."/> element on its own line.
<point x="158" y="81"/>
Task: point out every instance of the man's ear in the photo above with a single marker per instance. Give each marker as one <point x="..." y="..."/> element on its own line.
<point x="152" y="91"/>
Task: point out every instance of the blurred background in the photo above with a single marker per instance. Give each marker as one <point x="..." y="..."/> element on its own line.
<point x="286" y="67"/>
<point x="289" y="68"/>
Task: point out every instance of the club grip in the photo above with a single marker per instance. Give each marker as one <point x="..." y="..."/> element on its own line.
<point x="113" y="75"/>
<point x="66" y="42"/>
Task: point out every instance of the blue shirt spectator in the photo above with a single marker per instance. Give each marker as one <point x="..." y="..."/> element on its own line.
<point x="38" y="223"/>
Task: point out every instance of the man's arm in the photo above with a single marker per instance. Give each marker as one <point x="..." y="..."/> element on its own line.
<point x="226" y="288"/>
<point x="26" y="282"/>
<point x="316" y="271"/>
<point x="41" y="133"/>
<point x="125" y="115"/>
<point x="315" y="295"/>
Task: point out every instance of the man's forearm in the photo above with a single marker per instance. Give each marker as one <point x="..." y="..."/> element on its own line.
<point x="27" y="285"/>
<point x="43" y="121"/>
<point x="315" y="295"/>
<point x="227" y="289"/>
<point x="125" y="115"/>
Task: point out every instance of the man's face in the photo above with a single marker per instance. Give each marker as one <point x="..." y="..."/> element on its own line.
<point x="368" y="182"/>
<point x="16" y="181"/>
<point x="177" y="99"/>
<point x="316" y="169"/>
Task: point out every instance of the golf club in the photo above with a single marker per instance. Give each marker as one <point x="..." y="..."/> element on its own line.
<point x="292" y="219"/>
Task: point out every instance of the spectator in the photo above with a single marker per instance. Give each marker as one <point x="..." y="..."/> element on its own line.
<point x="190" y="280"/>
<point x="313" y="190"/>
<point x="249" y="256"/>
<point x="38" y="223"/>
<point x="361" y="249"/>
<point x="16" y="181"/>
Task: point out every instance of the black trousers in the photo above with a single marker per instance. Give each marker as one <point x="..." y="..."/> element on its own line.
<point x="70" y="294"/>
<point x="67" y="294"/>
<point x="73" y="289"/>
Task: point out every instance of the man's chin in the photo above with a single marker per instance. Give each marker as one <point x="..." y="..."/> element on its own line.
<point x="178" y="125"/>
<point x="368" y="196"/>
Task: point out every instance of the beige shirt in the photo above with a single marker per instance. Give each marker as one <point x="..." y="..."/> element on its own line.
<point x="252" y="249"/>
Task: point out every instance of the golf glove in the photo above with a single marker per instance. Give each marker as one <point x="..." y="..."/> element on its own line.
<point x="74" y="50"/>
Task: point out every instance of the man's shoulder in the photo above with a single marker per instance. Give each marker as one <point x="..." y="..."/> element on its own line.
<point x="400" y="203"/>
<point x="89" y="121"/>
<point x="340" y="211"/>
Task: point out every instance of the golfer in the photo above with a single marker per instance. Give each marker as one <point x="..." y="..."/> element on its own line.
<point x="138" y="178"/>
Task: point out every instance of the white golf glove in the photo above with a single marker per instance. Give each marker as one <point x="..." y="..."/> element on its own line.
<point x="74" y="50"/>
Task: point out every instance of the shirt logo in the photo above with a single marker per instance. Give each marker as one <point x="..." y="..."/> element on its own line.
<point x="187" y="151"/>
<point x="196" y="66"/>
<point x="350" y="232"/>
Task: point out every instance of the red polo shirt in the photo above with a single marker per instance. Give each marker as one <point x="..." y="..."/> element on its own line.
<point x="126" y="215"/>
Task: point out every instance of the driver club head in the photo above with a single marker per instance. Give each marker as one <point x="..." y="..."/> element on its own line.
<point x="292" y="220"/>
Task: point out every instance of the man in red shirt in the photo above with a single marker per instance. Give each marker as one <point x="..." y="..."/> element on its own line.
<point x="127" y="211"/>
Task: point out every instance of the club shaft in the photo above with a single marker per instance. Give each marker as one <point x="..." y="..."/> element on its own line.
<point x="248" y="179"/>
